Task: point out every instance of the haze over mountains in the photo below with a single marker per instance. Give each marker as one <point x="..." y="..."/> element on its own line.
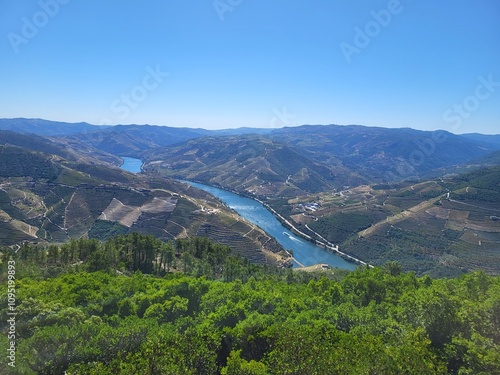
<point x="382" y="194"/>
<point x="372" y="152"/>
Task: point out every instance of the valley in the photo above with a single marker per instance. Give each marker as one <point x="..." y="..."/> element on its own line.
<point x="356" y="187"/>
<point x="235" y="187"/>
<point x="248" y="164"/>
<point x="46" y="199"/>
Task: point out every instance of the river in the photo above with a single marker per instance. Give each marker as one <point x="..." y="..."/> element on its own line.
<point x="131" y="164"/>
<point x="304" y="252"/>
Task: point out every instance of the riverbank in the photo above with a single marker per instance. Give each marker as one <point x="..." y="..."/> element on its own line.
<point x="326" y="244"/>
<point x="306" y="250"/>
<point x="302" y="253"/>
<point x="315" y="245"/>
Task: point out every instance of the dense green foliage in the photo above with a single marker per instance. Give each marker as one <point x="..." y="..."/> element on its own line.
<point x="213" y="321"/>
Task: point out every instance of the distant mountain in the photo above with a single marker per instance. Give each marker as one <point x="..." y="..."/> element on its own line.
<point x="130" y="140"/>
<point x="305" y="159"/>
<point x="73" y="151"/>
<point x="45" y="127"/>
<point x="250" y="164"/>
<point x="383" y="154"/>
<point x="490" y="159"/>
<point x="33" y="142"/>
<point x="484" y="138"/>
<point x="375" y="154"/>
<point x="122" y="140"/>
<point x="242" y="131"/>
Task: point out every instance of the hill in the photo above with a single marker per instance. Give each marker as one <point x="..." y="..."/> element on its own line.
<point x="249" y="164"/>
<point x="373" y="153"/>
<point x="131" y="140"/>
<point x="440" y="227"/>
<point x="490" y="139"/>
<point x="73" y="151"/>
<point x="45" y="198"/>
<point x="490" y="159"/>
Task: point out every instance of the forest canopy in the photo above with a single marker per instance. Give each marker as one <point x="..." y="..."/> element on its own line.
<point x="136" y="305"/>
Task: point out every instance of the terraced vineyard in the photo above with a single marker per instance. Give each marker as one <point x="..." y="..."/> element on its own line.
<point x="54" y="200"/>
<point x="244" y="239"/>
<point x="442" y="228"/>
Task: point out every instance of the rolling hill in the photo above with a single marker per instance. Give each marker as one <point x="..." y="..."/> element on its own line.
<point x="249" y="164"/>
<point x="440" y="227"/>
<point x="131" y="140"/>
<point x="45" y="198"/>
<point x="491" y="139"/>
<point x="68" y="150"/>
<point x="373" y="153"/>
<point x="490" y="159"/>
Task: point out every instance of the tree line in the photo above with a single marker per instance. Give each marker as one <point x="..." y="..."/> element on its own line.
<point x="128" y="253"/>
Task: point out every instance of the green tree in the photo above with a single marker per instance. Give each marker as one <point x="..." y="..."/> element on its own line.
<point x="238" y="366"/>
<point x="126" y="307"/>
<point x="187" y="262"/>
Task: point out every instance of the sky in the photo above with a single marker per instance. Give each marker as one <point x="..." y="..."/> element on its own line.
<point x="217" y="64"/>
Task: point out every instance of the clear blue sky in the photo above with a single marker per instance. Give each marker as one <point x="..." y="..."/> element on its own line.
<point x="423" y="64"/>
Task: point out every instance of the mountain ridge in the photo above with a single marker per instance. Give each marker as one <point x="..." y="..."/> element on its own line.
<point x="375" y="153"/>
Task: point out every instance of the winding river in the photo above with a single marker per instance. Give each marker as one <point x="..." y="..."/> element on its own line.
<point x="305" y="252"/>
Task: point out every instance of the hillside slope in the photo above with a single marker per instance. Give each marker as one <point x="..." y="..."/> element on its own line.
<point x="130" y="140"/>
<point x="248" y="164"/>
<point x="383" y="154"/>
<point x="45" y="198"/>
<point x="442" y="227"/>
<point x="374" y="153"/>
<point x="69" y="150"/>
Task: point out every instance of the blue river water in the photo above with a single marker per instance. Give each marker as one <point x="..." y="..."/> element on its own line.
<point x="303" y="251"/>
<point x="131" y="164"/>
